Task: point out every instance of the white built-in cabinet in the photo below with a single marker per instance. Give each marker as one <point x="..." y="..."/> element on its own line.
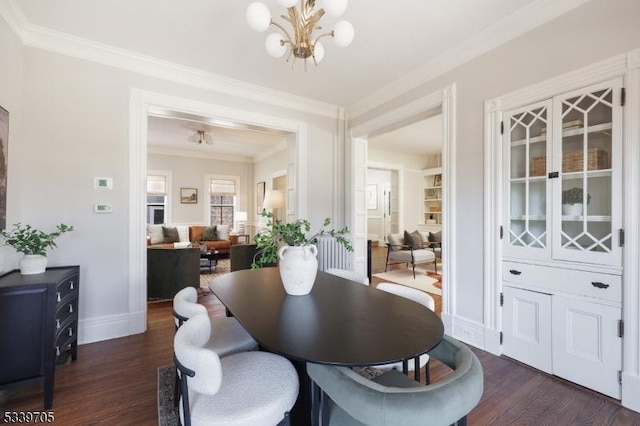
<point x="562" y="263"/>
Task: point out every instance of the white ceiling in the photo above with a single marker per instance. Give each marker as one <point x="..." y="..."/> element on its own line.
<point x="394" y="40"/>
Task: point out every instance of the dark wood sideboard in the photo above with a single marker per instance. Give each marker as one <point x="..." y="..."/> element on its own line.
<point x="38" y="326"/>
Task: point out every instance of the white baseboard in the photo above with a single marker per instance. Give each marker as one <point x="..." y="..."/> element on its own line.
<point x="630" y="391"/>
<point x="465" y="330"/>
<point x="109" y="327"/>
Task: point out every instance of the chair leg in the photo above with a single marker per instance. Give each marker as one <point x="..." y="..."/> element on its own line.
<point x="414" y="270"/>
<point x="315" y="404"/>
<point x="176" y="390"/>
<point x="426" y="372"/>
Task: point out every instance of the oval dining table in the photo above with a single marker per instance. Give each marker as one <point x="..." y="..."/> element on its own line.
<point x="340" y="322"/>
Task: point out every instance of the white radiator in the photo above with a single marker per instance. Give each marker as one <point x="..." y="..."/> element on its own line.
<point x="331" y="254"/>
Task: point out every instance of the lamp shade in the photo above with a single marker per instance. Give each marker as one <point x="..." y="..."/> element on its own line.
<point x="241" y="216"/>
<point x="318" y="52"/>
<point x="258" y="16"/>
<point x="273" y="199"/>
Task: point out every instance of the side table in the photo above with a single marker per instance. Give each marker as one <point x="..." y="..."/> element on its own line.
<point x="209" y="259"/>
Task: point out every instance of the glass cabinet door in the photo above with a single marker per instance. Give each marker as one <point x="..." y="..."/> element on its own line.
<point x="588" y="192"/>
<point x="527" y="136"/>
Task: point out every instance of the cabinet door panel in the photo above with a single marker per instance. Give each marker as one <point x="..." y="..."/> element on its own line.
<point x="526" y="148"/>
<point x="587" y="152"/>
<point x="586" y="346"/>
<point x="527" y="327"/>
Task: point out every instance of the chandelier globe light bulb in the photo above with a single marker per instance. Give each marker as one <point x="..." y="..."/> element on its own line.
<point x="258" y="16"/>
<point x="287" y="3"/>
<point x="318" y="52"/>
<point x="343" y="33"/>
<point x="334" y="8"/>
<point x="274" y="45"/>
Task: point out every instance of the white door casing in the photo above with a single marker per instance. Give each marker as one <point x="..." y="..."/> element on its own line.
<point x="358" y="224"/>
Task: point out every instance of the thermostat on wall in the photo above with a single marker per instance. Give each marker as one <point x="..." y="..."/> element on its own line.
<point x="103" y="182"/>
<point x="102" y="208"/>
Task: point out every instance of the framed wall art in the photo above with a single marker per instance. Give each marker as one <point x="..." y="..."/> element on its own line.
<point x="4" y="164"/>
<point x="189" y="195"/>
<point x="260" y="189"/>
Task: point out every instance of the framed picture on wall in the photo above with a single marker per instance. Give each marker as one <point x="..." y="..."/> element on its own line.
<point x="260" y="196"/>
<point x="189" y="195"/>
<point x="372" y="197"/>
<point x="4" y="164"/>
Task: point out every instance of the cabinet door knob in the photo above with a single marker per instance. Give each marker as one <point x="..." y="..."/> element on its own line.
<point x="598" y="284"/>
<point x="514" y="272"/>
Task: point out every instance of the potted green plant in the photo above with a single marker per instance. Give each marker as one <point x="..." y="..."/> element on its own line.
<point x="34" y="244"/>
<point x="289" y="245"/>
<point x="572" y="201"/>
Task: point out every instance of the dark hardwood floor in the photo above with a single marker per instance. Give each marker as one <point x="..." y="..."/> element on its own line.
<point x="115" y="383"/>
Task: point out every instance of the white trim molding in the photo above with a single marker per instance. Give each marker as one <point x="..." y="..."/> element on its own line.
<point x="445" y="101"/>
<point x="626" y="66"/>
<point x="141" y="103"/>
<point x="89" y="50"/>
<point x="108" y="327"/>
<point x="537" y="13"/>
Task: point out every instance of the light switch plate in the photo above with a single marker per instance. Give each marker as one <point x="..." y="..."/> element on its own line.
<point x="103" y="183"/>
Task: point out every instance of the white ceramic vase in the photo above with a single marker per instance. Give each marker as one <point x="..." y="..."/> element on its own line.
<point x="572" y="209"/>
<point x="33" y="264"/>
<point x="298" y="268"/>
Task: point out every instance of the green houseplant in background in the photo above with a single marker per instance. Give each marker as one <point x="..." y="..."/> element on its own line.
<point x="34" y="244"/>
<point x="572" y="201"/>
<point x="289" y="245"/>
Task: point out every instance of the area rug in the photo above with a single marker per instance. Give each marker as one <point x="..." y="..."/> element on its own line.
<point x="224" y="267"/>
<point x="405" y="277"/>
<point x="168" y="414"/>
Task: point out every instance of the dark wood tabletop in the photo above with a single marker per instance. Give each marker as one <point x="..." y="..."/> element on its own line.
<point x="340" y="322"/>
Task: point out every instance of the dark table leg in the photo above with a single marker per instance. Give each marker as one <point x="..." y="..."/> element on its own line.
<point x="301" y="411"/>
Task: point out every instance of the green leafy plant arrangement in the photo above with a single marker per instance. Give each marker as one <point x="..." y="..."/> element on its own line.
<point x="292" y="234"/>
<point x="574" y="196"/>
<point x="29" y="240"/>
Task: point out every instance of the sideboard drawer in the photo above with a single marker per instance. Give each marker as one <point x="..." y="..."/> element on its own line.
<point x="582" y="283"/>
<point x="66" y="287"/>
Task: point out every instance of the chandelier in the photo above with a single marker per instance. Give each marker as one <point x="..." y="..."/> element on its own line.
<point x="200" y="137"/>
<point x="304" y="23"/>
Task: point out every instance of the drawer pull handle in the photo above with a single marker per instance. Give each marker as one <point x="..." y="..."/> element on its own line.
<point x="598" y="284"/>
<point x="70" y="285"/>
<point x="57" y="350"/>
<point x="70" y="332"/>
<point x="57" y="324"/>
<point x="514" y="272"/>
<point x="70" y="309"/>
<point x="58" y="298"/>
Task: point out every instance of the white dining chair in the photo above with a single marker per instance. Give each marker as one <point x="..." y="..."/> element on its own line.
<point x="422" y="298"/>
<point x="350" y="275"/>
<point x="246" y="388"/>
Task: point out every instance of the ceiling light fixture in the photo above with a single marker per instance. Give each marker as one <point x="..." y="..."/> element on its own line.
<point x="304" y="22"/>
<point x="200" y="137"/>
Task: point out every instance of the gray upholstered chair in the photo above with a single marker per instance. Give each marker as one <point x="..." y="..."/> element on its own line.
<point x="350" y="275"/>
<point x="247" y="388"/>
<point x="343" y="397"/>
<point x="399" y="252"/>
<point x="425" y="300"/>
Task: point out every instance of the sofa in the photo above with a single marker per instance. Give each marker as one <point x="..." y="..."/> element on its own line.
<point x="214" y="237"/>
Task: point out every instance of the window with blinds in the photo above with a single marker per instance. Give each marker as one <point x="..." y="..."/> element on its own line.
<point x="156" y="198"/>
<point x="222" y="201"/>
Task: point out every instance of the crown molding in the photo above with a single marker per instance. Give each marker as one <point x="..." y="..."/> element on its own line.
<point x="69" y="45"/>
<point x="516" y="24"/>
